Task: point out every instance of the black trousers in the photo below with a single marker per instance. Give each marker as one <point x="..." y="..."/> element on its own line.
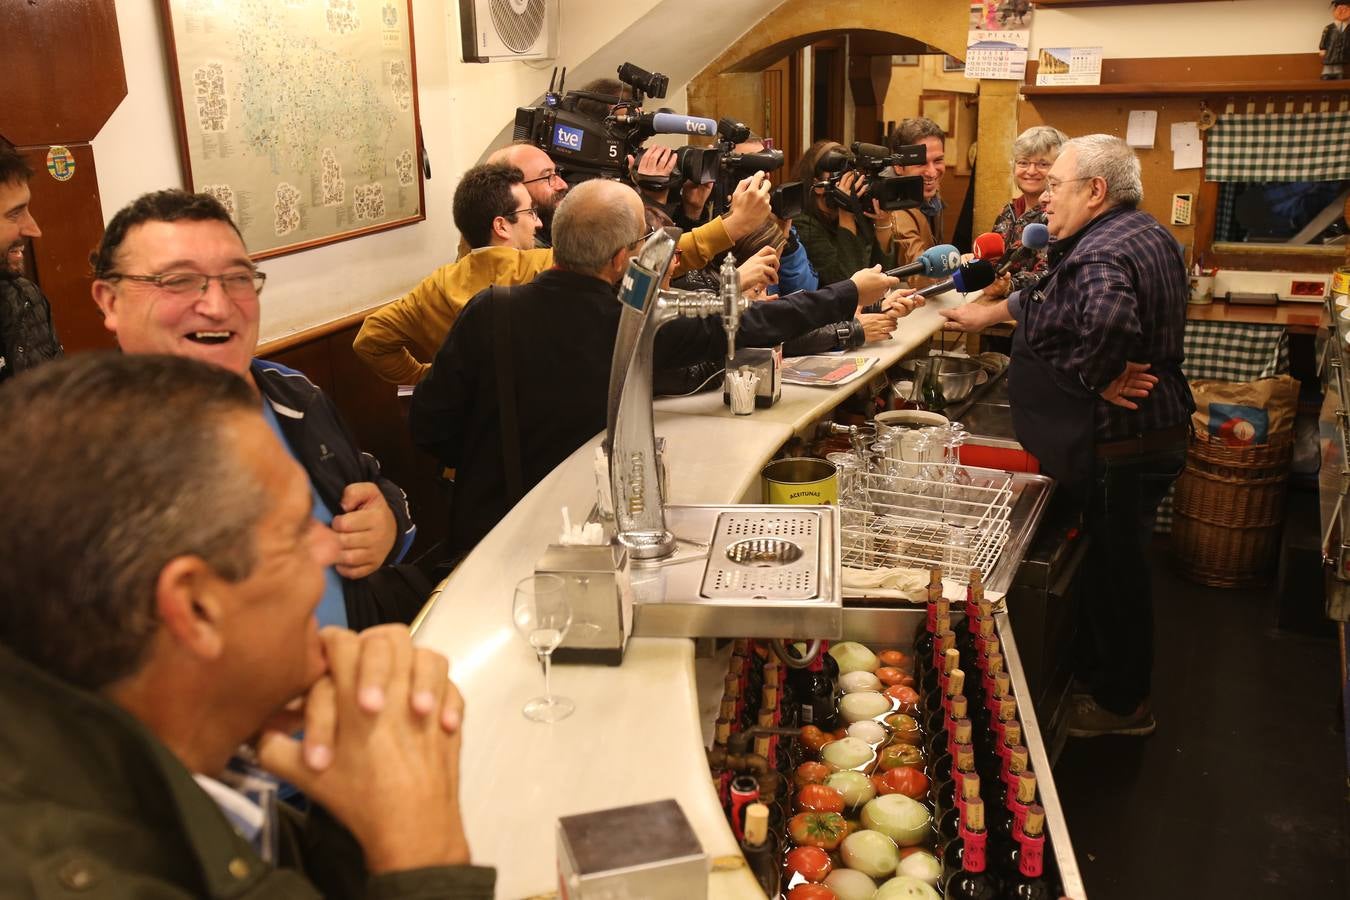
<point x="1114" y="647"/>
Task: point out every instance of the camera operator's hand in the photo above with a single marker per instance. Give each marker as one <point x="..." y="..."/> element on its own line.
<point x="694" y="199"/>
<point x="852" y="183"/>
<point x="750" y="206"/>
<point x="877" y="326"/>
<point x="657" y="162"/>
<point x="759" y="271"/>
<point x="903" y="302"/>
<point x="882" y="224"/>
<point x="872" y="285"/>
<point x="393" y="776"/>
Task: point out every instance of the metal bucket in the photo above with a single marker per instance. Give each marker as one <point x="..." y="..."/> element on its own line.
<point x="801" y="481"/>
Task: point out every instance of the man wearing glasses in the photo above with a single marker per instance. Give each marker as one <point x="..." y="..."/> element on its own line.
<point x="172" y="276"/>
<point x="1099" y="397"/>
<point x="494" y="213"/>
<point x="546" y="187"/>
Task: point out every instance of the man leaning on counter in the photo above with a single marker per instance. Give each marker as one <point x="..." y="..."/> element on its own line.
<point x="1099" y="398"/>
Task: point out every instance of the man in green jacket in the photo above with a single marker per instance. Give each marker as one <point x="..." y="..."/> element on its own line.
<point x="157" y="622"/>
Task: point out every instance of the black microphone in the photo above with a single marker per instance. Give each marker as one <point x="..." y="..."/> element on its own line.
<point x="975" y="275"/>
<point x="1034" y="237"/>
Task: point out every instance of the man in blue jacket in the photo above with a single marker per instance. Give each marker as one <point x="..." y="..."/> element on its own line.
<point x="172" y="276"/>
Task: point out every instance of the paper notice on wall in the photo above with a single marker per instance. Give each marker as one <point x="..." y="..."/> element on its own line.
<point x="1142" y="128"/>
<point x="997" y="54"/>
<point x="1187" y="151"/>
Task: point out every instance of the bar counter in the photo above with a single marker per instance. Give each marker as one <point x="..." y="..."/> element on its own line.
<point x="635" y="735"/>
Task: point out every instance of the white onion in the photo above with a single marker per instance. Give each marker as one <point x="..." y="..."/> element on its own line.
<point x="867" y="730"/>
<point x="921" y="865"/>
<point x="864" y="705"/>
<point x="850" y="884"/>
<point x="871" y="853"/>
<point x="903" y="820"/>
<point x="854" y="657"/>
<point x="859" y="681"/>
<point x="856" y="787"/>
<point x="847" y="753"/>
<point x="903" y="887"/>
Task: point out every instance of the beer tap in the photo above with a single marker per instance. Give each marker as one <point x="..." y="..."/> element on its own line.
<point x="639" y="508"/>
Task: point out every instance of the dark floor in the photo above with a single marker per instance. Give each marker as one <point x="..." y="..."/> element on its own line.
<point x="1241" y="792"/>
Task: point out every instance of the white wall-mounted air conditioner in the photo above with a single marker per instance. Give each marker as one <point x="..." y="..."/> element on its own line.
<point x="498" y="30"/>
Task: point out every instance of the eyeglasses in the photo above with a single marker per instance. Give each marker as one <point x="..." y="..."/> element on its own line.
<point x="1037" y="164"/>
<point x="546" y="175"/>
<point x="239" y="285"/>
<point x="634" y="245"/>
<point x="532" y="210"/>
<point x="1051" y="185"/>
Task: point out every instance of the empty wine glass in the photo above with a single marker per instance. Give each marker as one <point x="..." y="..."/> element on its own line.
<point x="543" y="615"/>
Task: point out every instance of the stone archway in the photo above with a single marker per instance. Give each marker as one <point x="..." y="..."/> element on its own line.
<point x="940" y="26"/>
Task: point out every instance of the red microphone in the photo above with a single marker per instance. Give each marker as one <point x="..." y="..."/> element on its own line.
<point x="988" y="246"/>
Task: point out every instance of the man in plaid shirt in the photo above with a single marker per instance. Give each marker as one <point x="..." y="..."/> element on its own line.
<point x="1098" y="396"/>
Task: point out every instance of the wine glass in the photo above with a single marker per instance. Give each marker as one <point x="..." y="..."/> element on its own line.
<point x="543" y="615"/>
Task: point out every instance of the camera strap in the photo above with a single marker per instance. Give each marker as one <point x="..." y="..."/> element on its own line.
<point x="499" y="301"/>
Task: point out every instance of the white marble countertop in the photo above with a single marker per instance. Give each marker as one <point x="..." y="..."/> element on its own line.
<point x="635" y="736"/>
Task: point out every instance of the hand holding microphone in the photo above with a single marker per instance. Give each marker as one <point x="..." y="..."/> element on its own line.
<point x="1035" y="237"/>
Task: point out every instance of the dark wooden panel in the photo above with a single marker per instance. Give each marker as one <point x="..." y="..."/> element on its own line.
<point x="61" y="67"/>
<point x="71" y="218"/>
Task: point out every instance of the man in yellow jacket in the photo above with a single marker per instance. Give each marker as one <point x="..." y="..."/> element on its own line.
<point x="493" y="212"/>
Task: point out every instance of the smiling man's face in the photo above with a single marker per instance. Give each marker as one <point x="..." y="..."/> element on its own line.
<point x="215" y="326"/>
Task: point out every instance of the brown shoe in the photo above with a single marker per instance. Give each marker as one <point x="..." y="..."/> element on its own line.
<point x="1087" y="719"/>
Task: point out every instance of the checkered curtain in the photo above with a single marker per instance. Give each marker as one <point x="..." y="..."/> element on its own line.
<point x="1257" y="147"/>
<point x="1223" y="213"/>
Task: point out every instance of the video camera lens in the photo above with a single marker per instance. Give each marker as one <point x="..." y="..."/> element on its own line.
<point x="653" y="84"/>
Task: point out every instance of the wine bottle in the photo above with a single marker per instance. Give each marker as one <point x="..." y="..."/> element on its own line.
<point x="1013" y="767"/>
<point x="923" y="638"/>
<point x="1028" y="881"/>
<point x="974" y="594"/>
<point x="971" y="881"/>
<point x="948" y="822"/>
<point x="815" y="693"/>
<point x="1007" y="821"/>
<point x="986" y="714"/>
<point x="940" y="741"/>
<point x="932" y="387"/>
<point x="940" y="770"/>
<point x="760" y="852"/>
<point x="931" y="687"/>
<point x="936" y="720"/>
<point x="949" y="792"/>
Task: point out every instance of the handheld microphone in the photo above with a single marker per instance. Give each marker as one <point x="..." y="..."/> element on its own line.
<point x="989" y="245"/>
<point x="1034" y="237"/>
<point x="935" y="262"/>
<point x="975" y="275"/>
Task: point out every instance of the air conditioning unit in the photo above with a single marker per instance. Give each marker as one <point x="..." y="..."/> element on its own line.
<point x="498" y="30"/>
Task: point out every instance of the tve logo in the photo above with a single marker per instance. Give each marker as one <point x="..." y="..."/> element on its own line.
<point x="694" y="126"/>
<point x="567" y="138"/>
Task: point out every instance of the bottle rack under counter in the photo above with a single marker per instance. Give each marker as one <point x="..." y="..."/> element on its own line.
<point x="1334" y="440"/>
<point x="775" y="724"/>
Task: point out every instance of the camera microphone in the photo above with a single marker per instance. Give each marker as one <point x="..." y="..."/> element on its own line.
<point x="935" y="262"/>
<point x="673" y="123"/>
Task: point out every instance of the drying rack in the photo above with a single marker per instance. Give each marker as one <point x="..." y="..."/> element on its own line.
<point x="896" y="518"/>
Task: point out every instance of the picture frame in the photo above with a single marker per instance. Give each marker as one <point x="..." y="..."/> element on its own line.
<point x="952" y="64"/>
<point x="304" y="148"/>
<point x="940" y="108"/>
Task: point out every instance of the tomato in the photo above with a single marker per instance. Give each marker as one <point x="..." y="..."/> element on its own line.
<point x="820" y="798"/>
<point x="907" y="697"/>
<point x="893" y="658"/>
<point x="812" y="863"/>
<point x="810" y="773"/>
<point x="905" y="780"/>
<point x="905" y="728"/>
<point x="889" y="675"/>
<point x="813" y="738"/>
<point x="815" y="829"/>
<point x="900" y="755"/>
<point x="811" y="892"/>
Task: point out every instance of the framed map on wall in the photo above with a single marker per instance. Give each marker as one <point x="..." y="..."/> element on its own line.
<point x="299" y="115"/>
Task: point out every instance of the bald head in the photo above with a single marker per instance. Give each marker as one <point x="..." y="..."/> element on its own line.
<point x="596" y="222"/>
<point x="546" y="187"/>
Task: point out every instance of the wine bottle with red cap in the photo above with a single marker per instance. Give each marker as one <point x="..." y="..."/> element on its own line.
<point x="1028" y="881"/>
<point x="971" y="881"/>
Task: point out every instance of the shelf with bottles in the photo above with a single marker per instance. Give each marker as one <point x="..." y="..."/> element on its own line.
<point x="892" y="772"/>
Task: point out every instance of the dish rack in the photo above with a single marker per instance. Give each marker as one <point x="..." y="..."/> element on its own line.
<point x="896" y="518"/>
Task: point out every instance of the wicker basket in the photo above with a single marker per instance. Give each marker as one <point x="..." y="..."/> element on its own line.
<point x="1229" y="510"/>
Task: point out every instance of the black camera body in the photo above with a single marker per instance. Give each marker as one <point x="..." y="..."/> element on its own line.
<point x="581" y="145"/>
<point x="892" y="192"/>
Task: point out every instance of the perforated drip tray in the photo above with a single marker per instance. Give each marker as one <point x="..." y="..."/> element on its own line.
<point x="770" y="571"/>
<point x="764" y="556"/>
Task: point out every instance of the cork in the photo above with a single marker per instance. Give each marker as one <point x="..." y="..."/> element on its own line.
<point x="965" y="758"/>
<point x="1003" y="681"/>
<point x="963" y="731"/>
<point x="731" y="686"/>
<point x="728" y="708"/>
<point x="756" y="824"/>
<point x="1007" y="709"/>
<point x="762" y="745"/>
<point x="1026" y="788"/>
<point x="1035" y="820"/>
<point x="765" y="718"/>
<point x="770" y="698"/>
<point x="960" y="706"/>
<point x="970" y="787"/>
<point x="1012" y="733"/>
<point x="986" y="627"/>
<point x="943" y="606"/>
<point x="721" y="731"/>
<point x="951" y="658"/>
<point x="946" y="640"/>
<point x="994" y="663"/>
<point x="956" y="681"/>
<point x="975" y="814"/>
<point x="935" y="575"/>
<point x="1017" y="760"/>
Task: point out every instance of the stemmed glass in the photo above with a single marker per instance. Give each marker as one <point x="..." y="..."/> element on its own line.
<point x="543" y="615"/>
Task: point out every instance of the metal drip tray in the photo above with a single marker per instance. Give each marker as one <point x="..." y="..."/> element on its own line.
<point x="764" y="556"/>
<point x="771" y="571"/>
